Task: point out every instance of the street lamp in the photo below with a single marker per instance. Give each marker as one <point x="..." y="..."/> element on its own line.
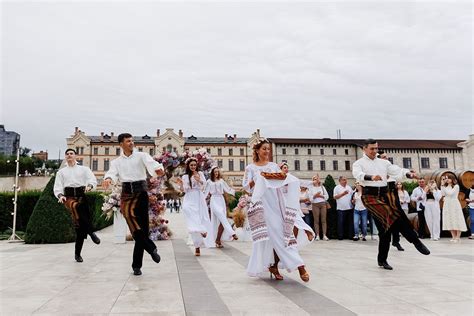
<point x="14" y="237"/>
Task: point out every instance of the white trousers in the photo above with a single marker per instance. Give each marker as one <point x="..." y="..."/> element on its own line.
<point x="433" y="218"/>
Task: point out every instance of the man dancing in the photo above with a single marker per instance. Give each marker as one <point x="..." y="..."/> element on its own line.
<point x="70" y="186"/>
<point x="372" y="173"/>
<point x="131" y="170"/>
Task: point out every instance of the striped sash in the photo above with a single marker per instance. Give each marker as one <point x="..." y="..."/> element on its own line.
<point x="386" y="212"/>
<point x="128" y="203"/>
<point x="72" y="204"/>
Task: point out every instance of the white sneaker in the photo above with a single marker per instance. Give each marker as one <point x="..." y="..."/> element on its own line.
<point x="317" y="238"/>
<point x="325" y="238"/>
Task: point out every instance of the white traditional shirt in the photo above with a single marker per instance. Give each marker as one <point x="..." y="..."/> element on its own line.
<point x="471" y="198"/>
<point x="321" y="189"/>
<point x="417" y="193"/>
<point x="404" y="198"/>
<point x="217" y="187"/>
<point x="372" y="167"/>
<point x="132" y="168"/>
<point x="195" y="185"/>
<point x="344" y="202"/>
<point x="75" y="176"/>
<point x="252" y="172"/>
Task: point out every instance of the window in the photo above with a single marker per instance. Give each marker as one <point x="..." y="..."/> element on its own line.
<point x="297" y="151"/>
<point x="95" y="165"/>
<point x="390" y="159"/>
<point x="322" y="165"/>
<point x="77" y="151"/>
<point x="106" y="164"/>
<point x="140" y="149"/>
<point x="231" y="165"/>
<point x="169" y="148"/>
<point x="106" y="150"/>
<point x="309" y="151"/>
<point x="310" y="165"/>
<point x="335" y="165"/>
<point x="208" y="150"/>
<point x="334" y="151"/>
<point x="346" y="151"/>
<point x="242" y="165"/>
<point x="219" y="163"/>
<point x="79" y="162"/>
<point x="348" y="165"/>
<point x="321" y="151"/>
<point x="297" y="165"/>
<point x="407" y="163"/>
<point x="219" y="151"/>
<point x="443" y="162"/>
<point x="283" y="151"/>
<point x="242" y="152"/>
<point x="117" y="151"/>
<point x="96" y="151"/>
<point x="151" y="152"/>
<point x="425" y="162"/>
<point x="231" y="152"/>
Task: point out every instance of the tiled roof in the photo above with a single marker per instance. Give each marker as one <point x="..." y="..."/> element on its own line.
<point x="383" y="143"/>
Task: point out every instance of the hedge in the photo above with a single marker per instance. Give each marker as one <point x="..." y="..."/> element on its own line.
<point x="26" y="203"/>
<point x="51" y="222"/>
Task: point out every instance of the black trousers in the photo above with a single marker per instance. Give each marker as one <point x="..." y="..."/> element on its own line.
<point x="81" y="215"/>
<point x="421" y="224"/>
<point x="134" y="208"/>
<point x="401" y="225"/>
<point x="345" y="224"/>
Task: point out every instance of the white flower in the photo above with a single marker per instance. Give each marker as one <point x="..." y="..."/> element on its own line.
<point x="195" y="152"/>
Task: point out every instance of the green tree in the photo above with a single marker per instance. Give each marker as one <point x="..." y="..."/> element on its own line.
<point x="331" y="218"/>
<point x="50" y="221"/>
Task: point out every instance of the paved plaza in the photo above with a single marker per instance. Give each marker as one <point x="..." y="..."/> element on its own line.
<point x="345" y="280"/>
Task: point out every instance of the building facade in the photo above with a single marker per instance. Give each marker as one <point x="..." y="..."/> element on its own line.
<point x="305" y="157"/>
<point x="9" y="142"/>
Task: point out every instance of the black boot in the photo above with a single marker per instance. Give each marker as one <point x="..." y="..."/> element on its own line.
<point x="137" y="271"/>
<point x="94" y="238"/>
<point x="421" y="248"/>
<point x="78" y="258"/>
<point x="155" y="256"/>
<point x="398" y="246"/>
<point x="385" y="265"/>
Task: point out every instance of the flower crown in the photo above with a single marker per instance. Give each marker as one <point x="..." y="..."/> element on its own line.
<point x="283" y="163"/>
<point x="187" y="161"/>
<point x="259" y="141"/>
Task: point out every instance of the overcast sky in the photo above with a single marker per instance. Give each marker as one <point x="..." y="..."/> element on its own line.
<point x="372" y="69"/>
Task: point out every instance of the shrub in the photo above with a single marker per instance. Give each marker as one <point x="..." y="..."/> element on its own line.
<point x="26" y="203"/>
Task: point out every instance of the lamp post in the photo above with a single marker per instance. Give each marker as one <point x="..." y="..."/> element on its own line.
<point x="14" y="237"/>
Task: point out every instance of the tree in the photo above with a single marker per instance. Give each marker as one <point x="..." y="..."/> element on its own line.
<point x="50" y="221"/>
<point x="24" y="151"/>
<point x="330" y="184"/>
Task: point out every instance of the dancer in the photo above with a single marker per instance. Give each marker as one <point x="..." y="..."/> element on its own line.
<point x="70" y="186"/>
<point x="300" y="224"/>
<point x="195" y="207"/>
<point x="131" y="170"/>
<point x="453" y="218"/>
<point x="271" y="217"/>
<point x="372" y="173"/>
<point x="220" y="227"/>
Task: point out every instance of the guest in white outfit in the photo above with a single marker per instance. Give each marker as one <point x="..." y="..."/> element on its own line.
<point x="195" y="207"/>
<point x="432" y="211"/>
<point x="360" y="214"/>
<point x="305" y="203"/>
<point x="300" y="224"/>
<point x="419" y="196"/>
<point x="453" y="218"/>
<point x="271" y="217"/>
<point x="319" y="196"/>
<point x="220" y="227"/>
<point x="404" y="197"/>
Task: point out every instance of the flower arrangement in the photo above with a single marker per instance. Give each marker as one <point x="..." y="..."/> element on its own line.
<point x="240" y="211"/>
<point x="111" y="202"/>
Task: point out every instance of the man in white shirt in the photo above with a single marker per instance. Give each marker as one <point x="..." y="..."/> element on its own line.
<point x="345" y="214"/>
<point x="372" y="173"/>
<point x="70" y="185"/>
<point x="131" y="170"/>
<point x="419" y="196"/>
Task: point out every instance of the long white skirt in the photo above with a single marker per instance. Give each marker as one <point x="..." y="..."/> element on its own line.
<point x="453" y="218"/>
<point x="197" y="218"/>
<point x="219" y="216"/>
<point x="262" y="251"/>
<point x="302" y="239"/>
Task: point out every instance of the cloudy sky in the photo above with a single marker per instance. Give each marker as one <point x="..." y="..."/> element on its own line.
<point x="378" y="69"/>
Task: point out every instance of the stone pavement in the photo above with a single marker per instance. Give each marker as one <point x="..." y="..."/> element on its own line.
<point x="345" y="280"/>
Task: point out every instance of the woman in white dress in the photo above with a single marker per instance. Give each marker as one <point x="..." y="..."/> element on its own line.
<point x="300" y="224"/>
<point x="270" y="249"/>
<point x="216" y="186"/>
<point x="432" y="211"/>
<point x="195" y="207"/>
<point x="453" y="218"/>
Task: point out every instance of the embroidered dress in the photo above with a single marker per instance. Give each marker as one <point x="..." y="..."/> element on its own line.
<point x="271" y="219"/>
<point x="453" y="218"/>
<point x="219" y="208"/>
<point x="195" y="212"/>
